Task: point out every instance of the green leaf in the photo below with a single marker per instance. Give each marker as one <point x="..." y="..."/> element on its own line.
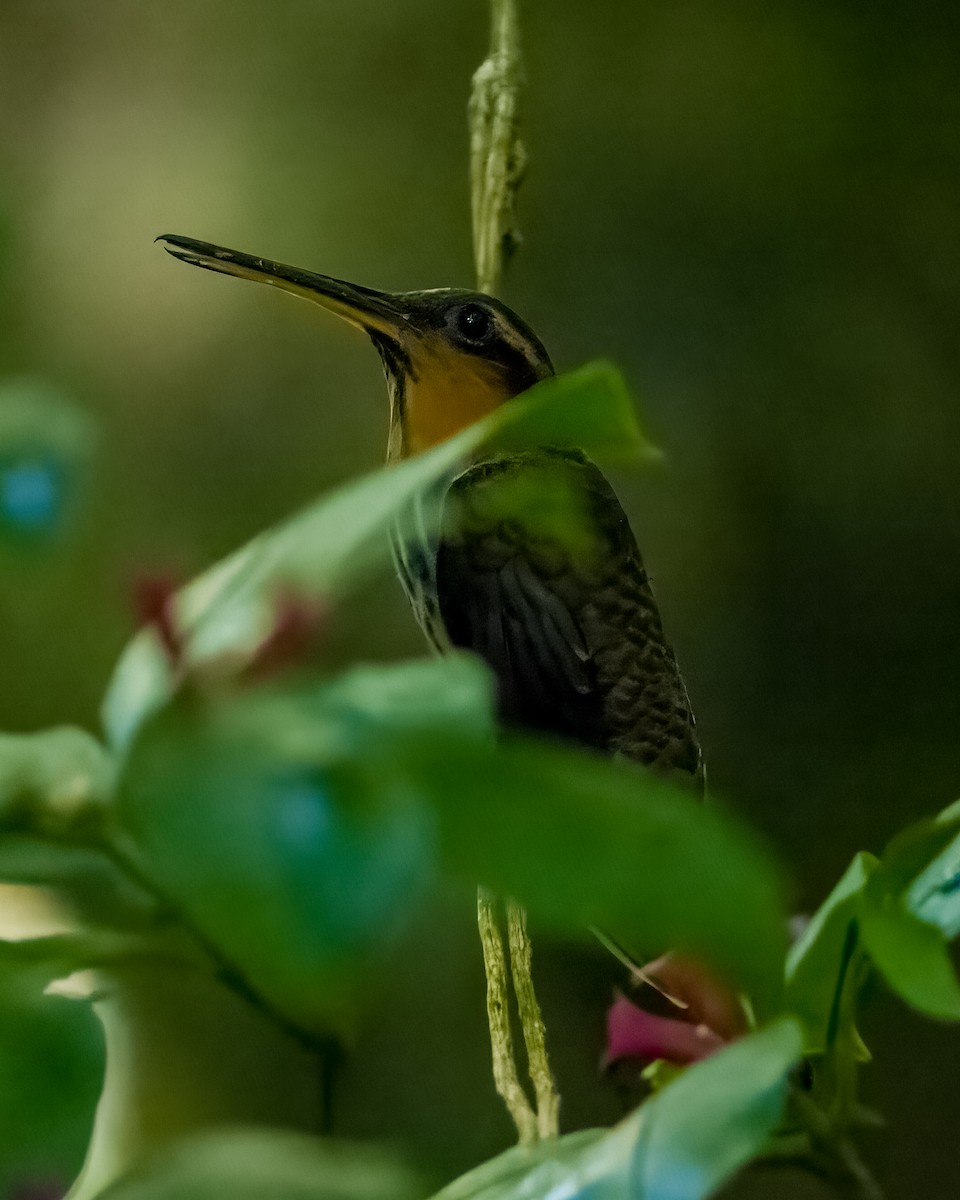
<point x="91" y="887"/>
<point x="816" y="960"/>
<point x="51" y="1053"/>
<point x="681" y="1145"/>
<point x="715" y="1117"/>
<point x="56" y="955"/>
<point x="574" y="1165"/>
<point x="53" y="783"/>
<point x="332" y="808"/>
<point x="585" y="841"/>
<point x="248" y="1164"/>
<point x="910" y="856"/>
<point x="452" y="695"/>
<point x="934" y="893"/>
<point x="323" y="845"/>
<point x="336" y="543"/>
<point x="315" y="869"/>
<point x="912" y="956"/>
<point x="909" y="910"/>
<point x="589" y="408"/>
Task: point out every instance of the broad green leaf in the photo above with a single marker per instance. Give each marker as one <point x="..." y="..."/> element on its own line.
<point x="700" y="1129"/>
<point x="248" y="1164"/>
<point x="913" y="958"/>
<point x="285" y="826"/>
<point x="52" y="782"/>
<point x="911" y="955"/>
<point x="299" y="872"/>
<point x="336" y="543"/>
<point x="817" y="960"/>
<point x="910" y="908"/>
<point x="331" y="809"/>
<point x="582" y="840"/>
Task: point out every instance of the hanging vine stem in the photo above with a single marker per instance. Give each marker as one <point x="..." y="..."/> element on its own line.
<point x="497" y="164"/>
<point x="497" y="156"/>
<point x="531" y="1022"/>
<point x="505" y="1077"/>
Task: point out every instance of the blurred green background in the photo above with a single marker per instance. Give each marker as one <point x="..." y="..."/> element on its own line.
<point x="752" y="209"/>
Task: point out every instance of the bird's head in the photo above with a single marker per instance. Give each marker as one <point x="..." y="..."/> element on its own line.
<point x="450" y="356"/>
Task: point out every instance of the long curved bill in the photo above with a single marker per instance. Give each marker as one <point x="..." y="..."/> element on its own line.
<point x="363" y="307"/>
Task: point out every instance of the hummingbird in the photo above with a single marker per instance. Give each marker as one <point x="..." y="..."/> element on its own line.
<point x="572" y="634"/>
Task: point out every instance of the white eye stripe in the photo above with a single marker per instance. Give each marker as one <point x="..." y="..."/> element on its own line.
<point x="510" y="335"/>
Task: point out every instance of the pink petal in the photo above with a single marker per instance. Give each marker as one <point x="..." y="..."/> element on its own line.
<point x="633" y="1033"/>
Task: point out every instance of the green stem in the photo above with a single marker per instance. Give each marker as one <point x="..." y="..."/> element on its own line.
<point x="505" y="1076"/>
<point x="531" y="1021"/>
<point x="833" y="1153"/>
<point x="497" y="163"/>
<point x="497" y="156"/>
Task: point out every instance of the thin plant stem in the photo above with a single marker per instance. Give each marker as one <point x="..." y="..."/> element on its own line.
<point x="497" y="156"/>
<point x="497" y="164"/>
<point x="840" y="1161"/>
<point x="531" y="1022"/>
<point x="505" y="1077"/>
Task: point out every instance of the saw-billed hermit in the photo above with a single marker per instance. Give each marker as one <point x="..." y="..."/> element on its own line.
<point x="567" y="622"/>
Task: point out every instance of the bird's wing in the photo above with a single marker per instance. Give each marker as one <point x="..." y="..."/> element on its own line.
<point x="507" y="589"/>
<point x="538" y="572"/>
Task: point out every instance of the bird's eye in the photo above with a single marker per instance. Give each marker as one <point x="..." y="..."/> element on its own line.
<point x="473" y="321"/>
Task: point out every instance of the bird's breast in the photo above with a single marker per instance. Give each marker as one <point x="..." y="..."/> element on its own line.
<point x="444" y="393"/>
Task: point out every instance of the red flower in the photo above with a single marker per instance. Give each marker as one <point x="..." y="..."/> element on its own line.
<point x="703" y="1013"/>
<point x="299" y="622"/>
